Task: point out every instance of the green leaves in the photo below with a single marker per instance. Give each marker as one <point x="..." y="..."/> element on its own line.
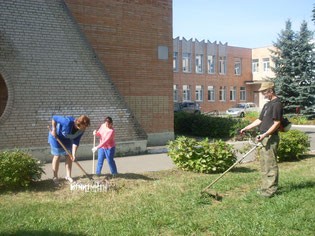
<point x="18" y="169"/>
<point x="292" y="144"/>
<point x="201" y="156"/>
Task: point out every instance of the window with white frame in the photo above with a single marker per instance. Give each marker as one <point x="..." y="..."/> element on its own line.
<point x="211" y="64"/>
<point x="222" y="65"/>
<point x="199" y="63"/>
<point x="186" y="93"/>
<point x="211" y="93"/>
<point x="175" y="92"/>
<point x="186" y="62"/>
<point x="237" y="66"/>
<point x="222" y="95"/>
<point x="233" y="93"/>
<point x="255" y="65"/>
<point x="266" y="64"/>
<point x="242" y="93"/>
<point x="199" y="93"/>
<point x="175" y="61"/>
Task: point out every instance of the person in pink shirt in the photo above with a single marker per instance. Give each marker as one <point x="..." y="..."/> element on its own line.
<point x="106" y="147"/>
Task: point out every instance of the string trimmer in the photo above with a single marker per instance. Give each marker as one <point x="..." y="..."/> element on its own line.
<point x="214" y="194"/>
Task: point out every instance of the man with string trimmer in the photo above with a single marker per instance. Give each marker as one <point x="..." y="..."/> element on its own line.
<point x="269" y="122"/>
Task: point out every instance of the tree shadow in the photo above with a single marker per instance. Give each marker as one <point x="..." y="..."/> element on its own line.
<point x="38" y="186"/>
<point x="296" y="187"/>
<point x="134" y="176"/>
<point x="39" y="232"/>
<point x="242" y="169"/>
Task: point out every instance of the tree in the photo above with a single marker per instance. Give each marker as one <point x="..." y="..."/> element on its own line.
<point x="304" y="68"/>
<point x="313" y="11"/>
<point x="282" y="57"/>
<point x="294" y="68"/>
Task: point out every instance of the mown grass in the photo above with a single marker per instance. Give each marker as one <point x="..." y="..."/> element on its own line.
<point x="168" y="203"/>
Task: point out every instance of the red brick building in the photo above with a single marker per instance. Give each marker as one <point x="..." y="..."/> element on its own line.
<point x="99" y="58"/>
<point x="213" y="74"/>
<point x="133" y="39"/>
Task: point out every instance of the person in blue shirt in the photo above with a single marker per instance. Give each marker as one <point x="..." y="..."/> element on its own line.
<point x="69" y="131"/>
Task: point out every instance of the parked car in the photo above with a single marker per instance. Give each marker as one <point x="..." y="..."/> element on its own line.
<point x="190" y="107"/>
<point x="240" y="109"/>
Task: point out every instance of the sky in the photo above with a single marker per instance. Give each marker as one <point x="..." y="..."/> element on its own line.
<point x="240" y="23"/>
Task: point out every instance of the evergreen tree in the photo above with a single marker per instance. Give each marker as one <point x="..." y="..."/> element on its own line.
<point x="304" y="68"/>
<point x="283" y="57"/>
<point x="294" y="68"/>
<point x="313" y="11"/>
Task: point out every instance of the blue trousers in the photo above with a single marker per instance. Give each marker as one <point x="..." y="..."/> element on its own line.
<point x="109" y="155"/>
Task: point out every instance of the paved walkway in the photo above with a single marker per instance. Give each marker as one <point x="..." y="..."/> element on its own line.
<point x="129" y="164"/>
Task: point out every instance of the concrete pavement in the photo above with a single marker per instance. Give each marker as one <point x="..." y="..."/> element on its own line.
<point x="153" y="161"/>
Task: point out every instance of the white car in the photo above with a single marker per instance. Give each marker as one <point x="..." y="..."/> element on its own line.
<point x="240" y="109"/>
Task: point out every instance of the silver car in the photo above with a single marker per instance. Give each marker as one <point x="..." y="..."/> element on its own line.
<point x="240" y="109"/>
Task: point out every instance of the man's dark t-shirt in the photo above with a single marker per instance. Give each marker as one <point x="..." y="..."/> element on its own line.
<point x="271" y="111"/>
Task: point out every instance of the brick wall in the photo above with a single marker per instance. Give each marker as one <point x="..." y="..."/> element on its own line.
<point x="125" y="36"/>
<point x="50" y="68"/>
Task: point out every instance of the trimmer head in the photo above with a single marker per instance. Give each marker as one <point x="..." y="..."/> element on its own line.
<point x="212" y="194"/>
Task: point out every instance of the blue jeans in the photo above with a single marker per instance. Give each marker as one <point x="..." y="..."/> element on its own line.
<point x="109" y="155"/>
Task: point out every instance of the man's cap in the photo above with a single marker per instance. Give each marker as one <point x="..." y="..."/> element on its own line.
<point x="266" y="85"/>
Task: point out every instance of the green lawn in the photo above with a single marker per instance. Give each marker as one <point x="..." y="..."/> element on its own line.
<point x="168" y="203"/>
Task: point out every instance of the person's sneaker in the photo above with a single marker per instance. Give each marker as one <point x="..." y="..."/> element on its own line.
<point x="69" y="179"/>
<point x="56" y="180"/>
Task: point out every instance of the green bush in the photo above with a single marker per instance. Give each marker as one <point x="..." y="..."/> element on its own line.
<point x="201" y="156"/>
<point x="207" y="126"/>
<point x="292" y="144"/>
<point x="18" y="169"/>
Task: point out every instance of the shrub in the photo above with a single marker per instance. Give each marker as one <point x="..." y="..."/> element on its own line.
<point x="18" y="169"/>
<point x="292" y="144"/>
<point x="201" y="156"/>
<point x="207" y="126"/>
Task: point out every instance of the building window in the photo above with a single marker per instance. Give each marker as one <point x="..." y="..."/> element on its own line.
<point x="175" y="61"/>
<point x="175" y="92"/>
<point x="266" y="64"/>
<point x="211" y="64"/>
<point x="186" y="62"/>
<point x="233" y="93"/>
<point x="199" y="93"/>
<point x="186" y="93"/>
<point x="222" y="65"/>
<point x="242" y="94"/>
<point x="199" y="63"/>
<point x="211" y="93"/>
<point x="255" y="65"/>
<point x="222" y="93"/>
<point x="237" y="66"/>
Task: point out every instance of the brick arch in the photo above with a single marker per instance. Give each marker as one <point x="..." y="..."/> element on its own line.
<point x="6" y="96"/>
